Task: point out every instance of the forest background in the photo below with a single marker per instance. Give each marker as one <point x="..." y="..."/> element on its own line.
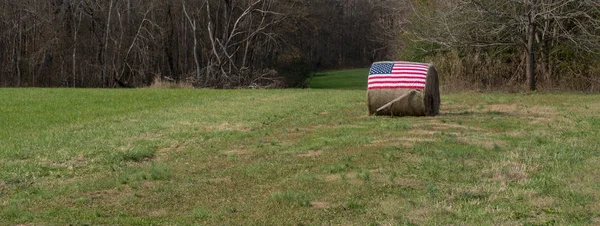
<point x="511" y="45"/>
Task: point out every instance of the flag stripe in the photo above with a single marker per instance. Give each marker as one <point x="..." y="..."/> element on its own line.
<point x="409" y="70"/>
<point x="396" y="67"/>
<point x="396" y="80"/>
<point x="408" y="73"/>
<point x="397" y="87"/>
<point x="398" y="84"/>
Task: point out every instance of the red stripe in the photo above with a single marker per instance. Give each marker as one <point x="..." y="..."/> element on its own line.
<point x="410" y="65"/>
<point x="408" y="73"/>
<point x="410" y="69"/>
<point x="397" y="87"/>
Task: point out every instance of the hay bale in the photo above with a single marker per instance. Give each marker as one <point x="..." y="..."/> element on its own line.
<point x="403" y="89"/>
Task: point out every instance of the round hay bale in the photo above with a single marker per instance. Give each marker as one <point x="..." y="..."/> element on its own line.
<point x="403" y="89"/>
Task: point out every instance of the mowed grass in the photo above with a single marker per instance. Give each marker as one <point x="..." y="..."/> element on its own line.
<point x="352" y="79"/>
<point x="282" y="157"/>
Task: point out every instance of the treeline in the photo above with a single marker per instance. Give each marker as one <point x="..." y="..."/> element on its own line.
<point x="476" y="44"/>
<point x="509" y="45"/>
<point x="208" y="43"/>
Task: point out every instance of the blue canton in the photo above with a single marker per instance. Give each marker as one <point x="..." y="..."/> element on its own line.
<point x="381" y="69"/>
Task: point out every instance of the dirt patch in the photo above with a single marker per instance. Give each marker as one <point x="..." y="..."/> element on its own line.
<point x="540" y="120"/>
<point x="109" y="195"/>
<point x="419" y="215"/>
<point x="149" y="184"/>
<point x="423" y="132"/>
<point x="175" y="147"/>
<point x="536" y="110"/>
<point x="325" y="126"/>
<point x="226" y="126"/>
<point x="79" y="160"/>
<point x="3" y="188"/>
<point x="163" y="153"/>
<point x="374" y="176"/>
<point x="220" y="180"/>
<point x="311" y="153"/>
<point x="158" y="213"/>
<point x="454" y="107"/>
<point x="332" y="177"/>
<point x="488" y="144"/>
<point x="186" y="123"/>
<point x="319" y="205"/>
<point x="540" y="110"/>
<point x="439" y="126"/>
<point x="405" y="141"/>
<point x="125" y="148"/>
<point x="144" y="137"/>
<point x="346" y="177"/>
<point x="237" y="152"/>
<point x="504" y="108"/>
<point x="510" y="171"/>
<point x="517" y="133"/>
<point x="408" y="182"/>
<point x="542" y="202"/>
<point x="47" y="162"/>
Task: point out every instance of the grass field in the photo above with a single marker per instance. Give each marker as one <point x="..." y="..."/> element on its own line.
<point x="282" y="157"/>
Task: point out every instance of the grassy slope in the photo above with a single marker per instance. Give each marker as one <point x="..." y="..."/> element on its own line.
<point x="294" y="156"/>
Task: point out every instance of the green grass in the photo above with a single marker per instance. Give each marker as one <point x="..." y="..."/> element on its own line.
<point x="279" y="157"/>
<point x="353" y="79"/>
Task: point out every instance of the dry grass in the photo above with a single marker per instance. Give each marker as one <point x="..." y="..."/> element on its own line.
<point x="160" y="83"/>
<point x="311" y="153"/>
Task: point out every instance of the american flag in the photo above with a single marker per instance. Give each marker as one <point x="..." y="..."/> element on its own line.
<point x="397" y="75"/>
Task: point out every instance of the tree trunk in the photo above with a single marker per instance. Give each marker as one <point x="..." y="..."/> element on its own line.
<point x="194" y="28"/>
<point x="531" y="44"/>
<point x="19" y="51"/>
<point x="106" y="39"/>
<point x="76" y="25"/>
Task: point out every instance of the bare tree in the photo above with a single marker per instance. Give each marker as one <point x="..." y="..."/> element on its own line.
<point x="106" y="42"/>
<point x="511" y="23"/>
<point x="232" y="33"/>
<point x="212" y="43"/>
<point x="194" y="30"/>
<point x="531" y="10"/>
<point x="77" y="16"/>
